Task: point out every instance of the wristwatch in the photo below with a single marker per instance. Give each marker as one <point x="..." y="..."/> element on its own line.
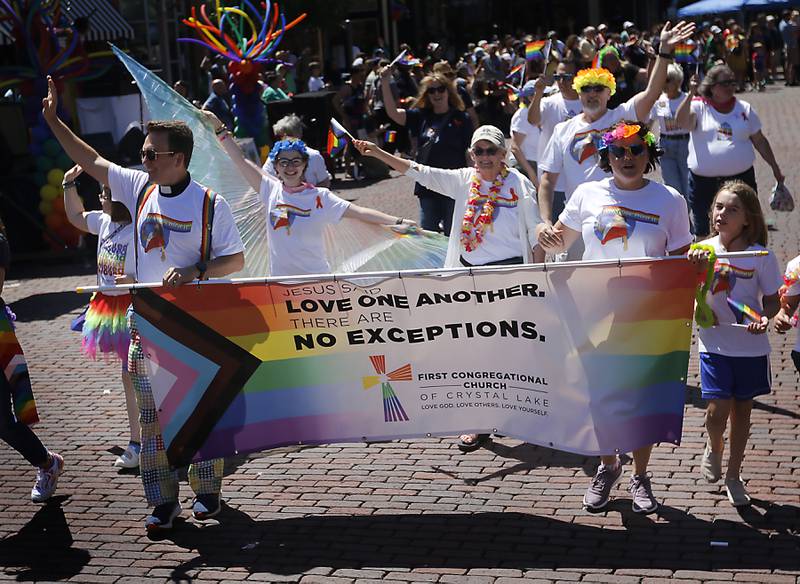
<point x="664" y="55"/>
<point x="201" y="267"/>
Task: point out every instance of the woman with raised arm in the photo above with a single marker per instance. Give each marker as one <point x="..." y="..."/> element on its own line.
<point x="495" y="213"/>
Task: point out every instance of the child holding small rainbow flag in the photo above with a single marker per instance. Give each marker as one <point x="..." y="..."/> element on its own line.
<point x="734" y="352"/>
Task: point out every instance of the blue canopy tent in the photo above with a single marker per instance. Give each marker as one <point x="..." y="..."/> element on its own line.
<point x="716" y="6"/>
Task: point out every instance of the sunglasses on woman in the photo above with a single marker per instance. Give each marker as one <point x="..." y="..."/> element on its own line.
<point x="151" y="154"/>
<point x="490" y="151"/>
<point x="726" y="83"/>
<point x="437" y="89"/>
<point x="592" y="88"/>
<point x="563" y="76"/>
<point x="619" y="151"/>
<point x="287" y="162"/>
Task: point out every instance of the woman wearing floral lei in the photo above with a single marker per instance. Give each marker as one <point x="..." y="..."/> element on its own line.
<point x="495" y="214"/>
<point x="623" y="216"/>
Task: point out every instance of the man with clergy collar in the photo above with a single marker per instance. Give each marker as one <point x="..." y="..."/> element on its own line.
<point x="168" y="238"/>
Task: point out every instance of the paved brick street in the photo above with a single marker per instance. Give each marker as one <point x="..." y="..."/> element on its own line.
<point x="409" y="511"/>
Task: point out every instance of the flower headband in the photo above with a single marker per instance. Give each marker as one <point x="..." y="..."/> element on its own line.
<point x="597" y="76"/>
<point x="622" y="131"/>
<point x="287" y="145"/>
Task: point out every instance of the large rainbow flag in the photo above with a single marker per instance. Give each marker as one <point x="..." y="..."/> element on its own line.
<point x="584" y="358"/>
<point x="15" y="368"/>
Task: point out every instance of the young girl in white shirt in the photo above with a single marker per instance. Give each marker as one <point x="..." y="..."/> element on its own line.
<point x="734" y="360"/>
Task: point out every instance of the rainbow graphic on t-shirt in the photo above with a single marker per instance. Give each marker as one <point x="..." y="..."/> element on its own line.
<point x="586" y="144"/>
<point x="725" y="276"/>
<point x="615" y="222"/>
<point x="283" y="215"/>
<point x="725" y="132"/>
<point x="155" y="229"/>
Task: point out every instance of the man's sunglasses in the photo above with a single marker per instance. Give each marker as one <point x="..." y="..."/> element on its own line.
<point x="563" y="76"/>
<point x="437" y="89"/>
<point x="293" y="162"/>
<point x="619" y="151"/>
<point x="491" y="151"/>
<point x="151" y="154"/>
<point x="726" y="83"/>
<point x="593" y="88"/>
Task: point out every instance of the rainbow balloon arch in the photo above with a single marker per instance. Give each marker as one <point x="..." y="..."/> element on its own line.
<point x="38" y="28"/>
<point x="247" y="38"/>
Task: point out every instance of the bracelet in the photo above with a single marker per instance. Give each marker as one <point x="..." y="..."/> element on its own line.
<point x="664" y="55"/>
<point x="399" y="221"/>
<point x="68" y="184"/>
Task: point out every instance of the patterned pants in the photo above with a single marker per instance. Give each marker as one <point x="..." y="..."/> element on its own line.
<point x="160" y="482"/>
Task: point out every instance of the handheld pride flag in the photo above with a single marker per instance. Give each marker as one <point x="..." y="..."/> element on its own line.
<point x="538" y="51"/>
<point x="338" y="138"/>
<point x="741" y="310"/>
<point x="516" y="70"/>
<point x="390" y="137"/>
<point x="684" y="53"/>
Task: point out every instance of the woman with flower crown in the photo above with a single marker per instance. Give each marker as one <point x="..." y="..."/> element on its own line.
<point x="623" y="216"/>
<point x="495" y="214"/>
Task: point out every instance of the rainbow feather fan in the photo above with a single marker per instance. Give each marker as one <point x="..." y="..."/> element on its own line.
<point x="351" y="245"/>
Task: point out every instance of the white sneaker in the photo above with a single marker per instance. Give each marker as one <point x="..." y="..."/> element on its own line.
<point x="47" y="480"/>
<point x="128" y="459"/>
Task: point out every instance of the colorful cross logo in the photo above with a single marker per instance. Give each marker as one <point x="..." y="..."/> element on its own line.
<point x="392" y="408"/>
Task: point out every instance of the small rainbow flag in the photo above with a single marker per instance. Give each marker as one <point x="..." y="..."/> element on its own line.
<point x="409" y="60"/>
<point x="338" y="138"/>
<point x="390" y="137"/>
<point x="537" y="50"/>
<point x="515" y="70"/>
<point x="741" y="310"/>
<point x="684" y="53"/>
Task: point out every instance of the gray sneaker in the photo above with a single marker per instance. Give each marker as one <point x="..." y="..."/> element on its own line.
<point x="599" y="491"/>
<point x="737" y="494"/>
<point x="643" y="499"/>
<point x="711" y="465"/>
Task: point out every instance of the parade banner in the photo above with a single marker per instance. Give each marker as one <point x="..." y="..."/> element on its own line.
<point x="585" y="358"/>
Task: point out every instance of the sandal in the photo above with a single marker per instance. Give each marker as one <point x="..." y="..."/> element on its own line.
<point x="480" y="440"/>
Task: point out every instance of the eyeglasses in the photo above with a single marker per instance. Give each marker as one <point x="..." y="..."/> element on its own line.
<point x="726" y="83"/>
<point x="563" y="76"/>
<point x="619" y="151"/>
<point x="293" y="162"/>
<point x="491" y="151"/>
<point x="437" y="89"/>
<point x="593" y="88"/>
<point x="151" y="154"/>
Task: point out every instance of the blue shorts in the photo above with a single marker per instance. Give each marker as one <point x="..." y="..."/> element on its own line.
<point x="740" y="378"/>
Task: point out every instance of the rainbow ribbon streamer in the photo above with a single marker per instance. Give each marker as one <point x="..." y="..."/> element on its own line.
<point x="742" y="310"/>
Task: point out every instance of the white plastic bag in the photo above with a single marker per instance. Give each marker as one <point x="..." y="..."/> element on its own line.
<point x="781" y="199"/>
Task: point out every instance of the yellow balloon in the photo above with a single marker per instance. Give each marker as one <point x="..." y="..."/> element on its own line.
<point x="55" y="177"/>
<point x="48" y="192"/>
<point x="45" y="207"/>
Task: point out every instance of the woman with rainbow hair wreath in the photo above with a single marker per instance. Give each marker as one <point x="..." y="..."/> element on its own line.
<point x="297" y="211"/>
<point x="623" y="216"/>
<point x="573" y="149"/>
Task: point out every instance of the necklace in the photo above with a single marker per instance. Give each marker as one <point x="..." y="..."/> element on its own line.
<point x="479" y="214"/>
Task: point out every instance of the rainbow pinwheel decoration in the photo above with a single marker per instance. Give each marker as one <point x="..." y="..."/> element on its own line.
<point x="248" y="38"/>
<point x="392" y="408"/>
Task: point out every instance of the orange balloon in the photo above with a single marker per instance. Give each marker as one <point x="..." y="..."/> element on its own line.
<point x="54" y="221"/>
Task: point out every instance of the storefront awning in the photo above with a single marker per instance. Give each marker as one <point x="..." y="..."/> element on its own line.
<point x="105" y="22"/>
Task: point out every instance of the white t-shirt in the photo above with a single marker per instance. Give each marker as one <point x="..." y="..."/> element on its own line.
<point x="720" y="143"/>
<point x="521" y="125"/>
<point x="170" y="227"/>
<point x="554" y="110"/>
<point x="572" y="150"/>
<point x="316" y="84"/>
<point x="745" y="280"/>
<point x="295" y="224"/>
<point x="114" y="240"/>
<point x="664" y="112"/>
<point x="515" y="219"/>
<point x="316" y="171"/>
<point x="794" y="290"/>
<point x="614" y="223"/>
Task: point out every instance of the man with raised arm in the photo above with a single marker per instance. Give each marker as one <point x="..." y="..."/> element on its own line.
<point x="572" y="149"/>
<point x="167" y="206"/>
